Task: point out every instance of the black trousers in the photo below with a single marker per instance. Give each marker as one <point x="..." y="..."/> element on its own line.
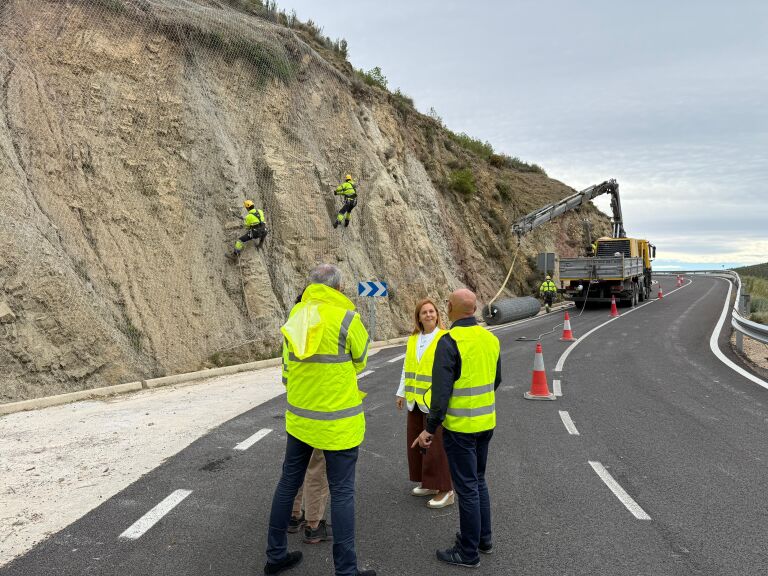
<point x="467" y="458"/>
<point x="256" y="233"/>
<point x="349" y="204"/>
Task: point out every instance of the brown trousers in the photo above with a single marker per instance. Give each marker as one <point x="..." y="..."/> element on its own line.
<point x="431" y="469"/>
<point x="314" y="490"/>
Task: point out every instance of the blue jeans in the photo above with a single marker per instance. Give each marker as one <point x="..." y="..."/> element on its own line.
<point x="467" y="456"/>
<point x="340" y="468"/>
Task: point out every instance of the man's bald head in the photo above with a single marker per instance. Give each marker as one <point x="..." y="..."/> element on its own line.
<point x="462" y="303"/>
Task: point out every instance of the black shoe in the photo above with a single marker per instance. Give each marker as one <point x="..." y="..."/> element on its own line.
<point x="319" y="534"/>
<point x="453" y="556"/>
<point x="366" y="573"/>
<point x="294" y="524"/>
<point x="336" y="224"/>
<point x="484" y="548"/>
<point x="346" y="223"/>
<point x="291" y="560"/>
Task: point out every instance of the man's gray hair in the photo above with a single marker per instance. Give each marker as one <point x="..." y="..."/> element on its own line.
<point x="327" y="274"/>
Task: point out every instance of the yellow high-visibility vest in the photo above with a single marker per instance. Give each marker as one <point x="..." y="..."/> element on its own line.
<point x="472" y="406"/>
<point x="418" y="373"/>
<point x="326" y="346"/>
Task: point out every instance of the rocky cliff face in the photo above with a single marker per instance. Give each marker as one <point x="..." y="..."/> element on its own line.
<point x="130" y="134"/>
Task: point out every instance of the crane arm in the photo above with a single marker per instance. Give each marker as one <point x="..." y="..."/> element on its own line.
<point x="543" y="215"/>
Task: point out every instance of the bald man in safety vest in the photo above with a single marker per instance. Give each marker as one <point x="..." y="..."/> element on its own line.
<point x="465" y="376"/>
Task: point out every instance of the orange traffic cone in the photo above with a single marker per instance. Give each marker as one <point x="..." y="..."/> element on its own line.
<point x="539" y="389"/>
<point x="567" y="334"/>
<point x="661" y="294"/>
<point x="614" y="310"/>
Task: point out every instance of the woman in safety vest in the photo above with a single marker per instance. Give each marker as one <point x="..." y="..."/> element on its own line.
<point x="430" y="467"/>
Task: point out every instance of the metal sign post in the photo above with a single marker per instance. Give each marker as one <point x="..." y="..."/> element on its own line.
<point x="372" y="289"/>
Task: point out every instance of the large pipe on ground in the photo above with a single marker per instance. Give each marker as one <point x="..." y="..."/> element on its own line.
<point x="511" y="309"/>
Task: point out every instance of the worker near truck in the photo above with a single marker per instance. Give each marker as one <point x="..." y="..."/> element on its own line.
<point x="548" y="291"/>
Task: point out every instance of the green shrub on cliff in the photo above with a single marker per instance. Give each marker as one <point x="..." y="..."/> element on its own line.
<point x="463" y="182"/>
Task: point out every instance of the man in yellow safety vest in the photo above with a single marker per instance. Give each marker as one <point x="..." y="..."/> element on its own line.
<point x="347" y="189"/>
<point x="255" y="228"/>
<point x="325" y="347"/>
<point x="465" y="376"/>
<point x="548" y="291"/>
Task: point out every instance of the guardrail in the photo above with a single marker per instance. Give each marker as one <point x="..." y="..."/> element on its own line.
<point x="742" y="326"/>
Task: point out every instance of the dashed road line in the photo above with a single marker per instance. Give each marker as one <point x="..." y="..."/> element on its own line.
<point x="248" y="442"/>
<point x="556" y="388"/>
<point x="566" y="418"/>
<point x="619" y="492"/>
<point x="396" y="358"/>
<point x="363" y="374"/>
<point x="138" y="528"/>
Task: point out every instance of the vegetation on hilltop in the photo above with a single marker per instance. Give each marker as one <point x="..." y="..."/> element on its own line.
<point x="337" y="51"/>
<point x="757" y="270"/>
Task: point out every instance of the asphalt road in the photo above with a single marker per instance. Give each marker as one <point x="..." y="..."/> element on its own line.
<point x="681" y="435"/>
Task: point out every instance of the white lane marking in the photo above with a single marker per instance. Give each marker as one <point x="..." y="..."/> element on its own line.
<point x="566" y="418"/>
<point x="248" y="442"/>
<point x="363" y="374"/>
<point x="152" y="517"/>
<point x="716" y="348"/>
<point x="619" y="492"/>
<point x="556" y="390"/>
<point x="396" y="358"/>
<point x="568" y="350"/>
<point x="564" y="355"/>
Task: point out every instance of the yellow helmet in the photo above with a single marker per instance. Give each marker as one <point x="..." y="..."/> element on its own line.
<point x="549" y="277"/>
<point x="348" y="177"/>
<point x="248" y="204"/>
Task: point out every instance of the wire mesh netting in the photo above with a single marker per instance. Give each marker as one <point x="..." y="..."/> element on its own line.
<point x="134" y="130"/>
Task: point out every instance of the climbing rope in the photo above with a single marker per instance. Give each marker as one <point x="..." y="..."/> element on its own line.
<point x="242" y="285"/>
<point x="512" y="266"/>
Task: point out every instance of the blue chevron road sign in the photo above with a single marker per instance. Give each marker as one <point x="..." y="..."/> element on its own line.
<point x="372" y="289"/>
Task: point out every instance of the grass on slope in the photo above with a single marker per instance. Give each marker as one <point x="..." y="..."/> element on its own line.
<point x="758" y="270"/>
<point x="757" y="288"/>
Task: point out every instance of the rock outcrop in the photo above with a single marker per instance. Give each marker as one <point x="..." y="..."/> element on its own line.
<point x="130" y="134"/>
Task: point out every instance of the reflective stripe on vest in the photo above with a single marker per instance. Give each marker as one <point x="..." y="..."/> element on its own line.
<point x="474" y="390"/>
<point x="472" y="405"/>
<point x="335" y="415"/>
<point x="470" y="412"/>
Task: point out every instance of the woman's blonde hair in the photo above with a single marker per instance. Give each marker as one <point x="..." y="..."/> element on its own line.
<point x="417" y="323"/>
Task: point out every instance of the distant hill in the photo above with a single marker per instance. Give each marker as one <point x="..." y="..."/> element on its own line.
<point x="757" y="270"/>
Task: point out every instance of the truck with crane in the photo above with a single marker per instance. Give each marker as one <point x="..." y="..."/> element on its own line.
<point x="616" y="267"/>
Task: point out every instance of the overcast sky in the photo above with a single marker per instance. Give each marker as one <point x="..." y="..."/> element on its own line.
<point x="668" y="97"/>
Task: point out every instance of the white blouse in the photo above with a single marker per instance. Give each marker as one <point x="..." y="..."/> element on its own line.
<point x="422" y="343"/>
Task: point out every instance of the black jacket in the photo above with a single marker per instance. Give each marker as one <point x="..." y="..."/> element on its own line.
<point x="445" y="371"/>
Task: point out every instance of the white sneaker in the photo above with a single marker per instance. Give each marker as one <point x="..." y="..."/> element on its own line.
<point x="446" y="500"/>
<point x="419" y="491"/>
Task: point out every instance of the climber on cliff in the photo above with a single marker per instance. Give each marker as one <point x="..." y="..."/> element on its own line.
<point x="348" y="190"/>
<point x="255" y="228"/>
